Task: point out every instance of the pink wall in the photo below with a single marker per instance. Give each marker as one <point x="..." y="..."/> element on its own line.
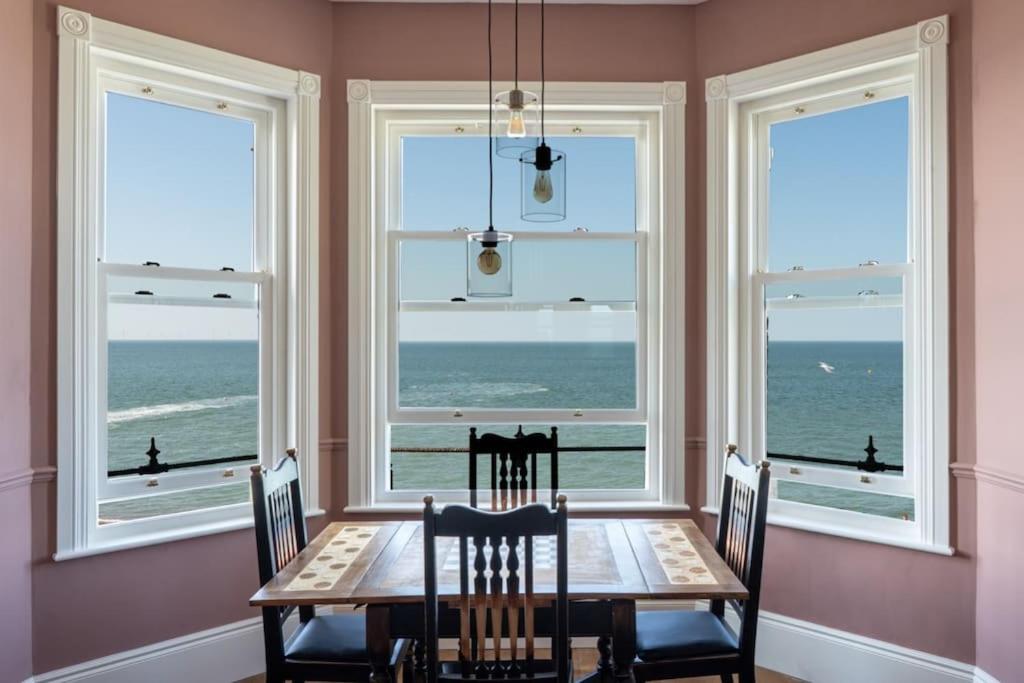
<point x="92" y="607"/>
<point x="866" y="588"/>
<point x="15" y="264"/>
<point x="999" y="475"/>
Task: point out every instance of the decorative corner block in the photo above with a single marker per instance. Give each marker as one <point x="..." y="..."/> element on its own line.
<point x="359" y="90"/>
<point x="674" y="92"/>
<point x="933" y="32"/>
<point x="309" y="84"/>
<point x="715" y="88"/>
<point x="74" y="23"/>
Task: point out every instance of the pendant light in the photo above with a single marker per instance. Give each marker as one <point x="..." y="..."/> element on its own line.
<point x="489" y="253"/>
<point x="521" y="127"/>
<point x="543" y="168"/>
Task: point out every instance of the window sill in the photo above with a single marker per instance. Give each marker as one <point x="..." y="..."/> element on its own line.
<point x="582" y="506"/>
<point x="156" y="538"/>
<point x="851" y="533"/>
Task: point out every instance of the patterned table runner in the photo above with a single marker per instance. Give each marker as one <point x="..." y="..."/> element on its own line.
<point x="677" y="556"/>
<point x="331" y="563"/>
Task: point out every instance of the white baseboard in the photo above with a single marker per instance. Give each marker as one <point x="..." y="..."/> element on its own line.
<point x="801" y="649"/>
<point x="811" y="652"/>
<point x="981" y="676"/>
<point x="217" y="655"/>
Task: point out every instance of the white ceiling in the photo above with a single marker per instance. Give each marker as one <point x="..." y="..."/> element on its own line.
<point x="549" y="2"/>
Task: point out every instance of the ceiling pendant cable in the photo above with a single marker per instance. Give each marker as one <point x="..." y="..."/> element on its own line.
<point x="489" y="253"/>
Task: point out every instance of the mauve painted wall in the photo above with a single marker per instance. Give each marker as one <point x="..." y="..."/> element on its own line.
<point x="999" y="180"/>
<point x="91" y="607"/>
<point x="912" y="598"/>
<point x="15" y="280"/>
<point x="448" y="42"/>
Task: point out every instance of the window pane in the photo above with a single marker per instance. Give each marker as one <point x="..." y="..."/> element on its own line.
<point x="179" y="186"/>
<point x="437" y="471"/>
<point x="186" y="375"/>
<point x="548" y="271"/>
<point x="525" y="374"/>
<point x="835" y="370"/>
<point x="897" y="507"/>
<point x="444" y="185"/>
<point x="169" y="503"/>
<point x="838" y="188"/>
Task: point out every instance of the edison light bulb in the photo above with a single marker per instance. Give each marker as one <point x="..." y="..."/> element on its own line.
<point x="516" y="124"/>
<point x="542" y="189"/>
<point x="489" y="261"/>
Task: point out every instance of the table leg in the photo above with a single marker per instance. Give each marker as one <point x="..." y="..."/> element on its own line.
<point x="420" y="660"/>
<point x="623" y="638"/>
<point x="378" y="641"/>
<point x="604" y="662"/>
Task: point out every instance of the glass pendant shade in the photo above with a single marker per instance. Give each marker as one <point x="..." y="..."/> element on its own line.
<point x="489" y="264"/>
<point x="543" y="185"/>
<point x="517" y="123"/>
<point x="514" y="148"/>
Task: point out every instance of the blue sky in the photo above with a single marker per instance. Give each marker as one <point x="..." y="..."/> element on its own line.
<point x="180" y="192"/>
<point x="837" y="198"/>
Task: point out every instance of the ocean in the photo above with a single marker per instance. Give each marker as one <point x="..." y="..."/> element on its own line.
<point x="198" y="399"/>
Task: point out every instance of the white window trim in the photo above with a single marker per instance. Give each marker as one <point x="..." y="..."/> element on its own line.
<point x="85" y="45"/>
<point x="367" y="412"/>
<point x="920" y="50"/>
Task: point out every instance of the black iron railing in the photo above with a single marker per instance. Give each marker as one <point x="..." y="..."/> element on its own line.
<point x="561" y="449"/>
<point x="422" y="450"/>
<point x="154" y="466"/>
<point x="868" y="464"/>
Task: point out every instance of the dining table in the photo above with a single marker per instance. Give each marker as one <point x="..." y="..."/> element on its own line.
<point x="613" y="564"/>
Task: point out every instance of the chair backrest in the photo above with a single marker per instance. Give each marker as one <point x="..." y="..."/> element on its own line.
<point x="513" y="464"/>
<point x="280" y="535"/>
<point x="743" y="516"/>
<point x="503" y="586"/>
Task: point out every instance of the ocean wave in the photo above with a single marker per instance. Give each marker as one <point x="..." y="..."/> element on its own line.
<point x="164" y="409"/>
<point x="469" y="391"/>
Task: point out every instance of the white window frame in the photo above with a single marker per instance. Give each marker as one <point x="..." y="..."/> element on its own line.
<point x="910" y="61"/>
<point x="97" y="56"/>
<point x="379" y="114"/>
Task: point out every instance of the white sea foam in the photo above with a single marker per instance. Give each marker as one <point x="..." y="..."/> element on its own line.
<point x="164" y="409"/>
<point x="429" y="394"/>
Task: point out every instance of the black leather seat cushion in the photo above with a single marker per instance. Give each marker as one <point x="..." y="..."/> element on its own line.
<point x="674" y="634"/>
<point x="330" y="638"/>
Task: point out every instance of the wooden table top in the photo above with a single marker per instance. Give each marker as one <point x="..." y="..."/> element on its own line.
<point x="382" y="562"/>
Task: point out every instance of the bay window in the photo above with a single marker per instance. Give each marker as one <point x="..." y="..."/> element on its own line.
<point x="828" y="292"/>
<point x="185" y="292"/>
<point x="581" y="343"/>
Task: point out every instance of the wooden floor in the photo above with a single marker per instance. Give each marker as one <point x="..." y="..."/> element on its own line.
<point x="584" y="660"/>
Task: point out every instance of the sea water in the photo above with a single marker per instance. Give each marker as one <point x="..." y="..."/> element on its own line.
<point x="199" y="400"/>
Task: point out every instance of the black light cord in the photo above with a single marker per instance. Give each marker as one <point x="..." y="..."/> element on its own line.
<point x="517" y="46"/>
<point x="543" y="80"/>
<point x="490" y="121"/>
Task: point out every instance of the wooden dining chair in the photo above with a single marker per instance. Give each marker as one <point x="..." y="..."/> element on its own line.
<point x="684" y="643"/>
<point x="503" y="600"/>
<point x="322" y="648"/>
<point x="514" y="467"/>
